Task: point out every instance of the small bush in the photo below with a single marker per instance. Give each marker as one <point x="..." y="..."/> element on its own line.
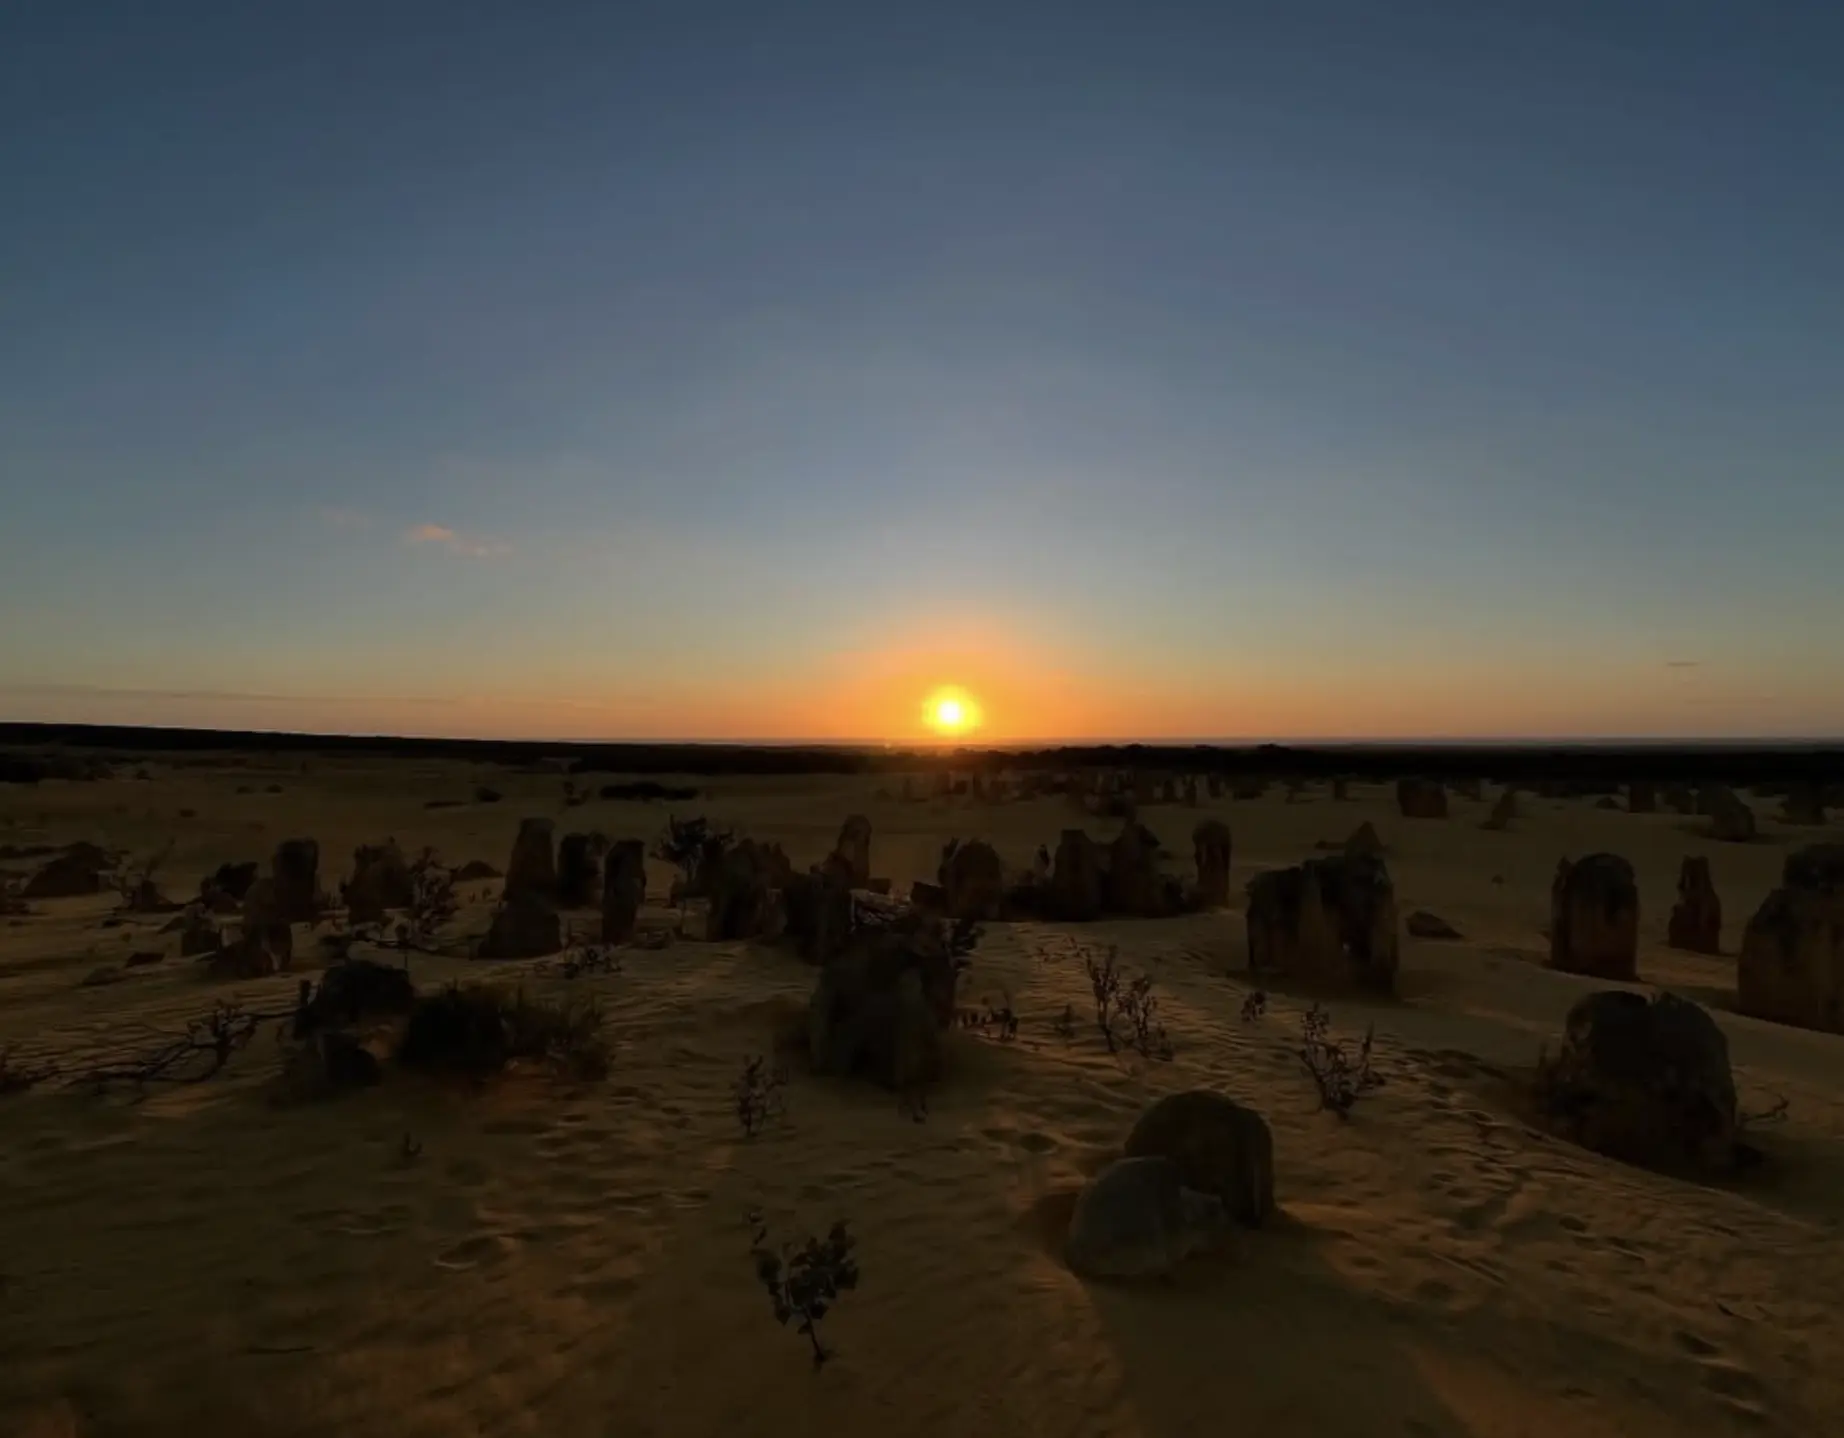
<point x="998" y="1021"/>
<point x="1139" y="1006"/>
<point x="433" y="903"/>
<point x="806" y="1282"/>
<point x="760" y="1094"/>
<point x="1104" y="981"/>
<point x="689" y="845"/>
<point x="1341" y="1077"/>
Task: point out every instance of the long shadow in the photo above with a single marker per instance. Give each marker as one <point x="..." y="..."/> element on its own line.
<point x="1272" y="1335"/>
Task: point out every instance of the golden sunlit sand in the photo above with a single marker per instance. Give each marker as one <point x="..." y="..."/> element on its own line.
<point x="530" y="1258"/>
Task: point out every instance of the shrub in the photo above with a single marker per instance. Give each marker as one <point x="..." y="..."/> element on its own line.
<point x="806" y="1282"/>
<point x="1341" y="1077"/>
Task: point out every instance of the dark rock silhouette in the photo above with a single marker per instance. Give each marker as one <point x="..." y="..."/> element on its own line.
<point x="1646" y="1081"/>
<point x="525" y="925"/>
<point x="579" y="870"/>
<point x="853" y="851"/>
<point x="380" y="881"/>
<point x="1210" y="846"/>
<point x="1791" y="967"/>
<point x="1696" y="919"/>
<point x="1220" y="1147"/>
<point x="973" y="878"/>
<point x="295" y="873"/>
<point x="624" y="889"/>
<point x="532" y="869"/>
<point x="1594" y="918"/>
<point x="1421" y="799"/>
<point x="1331" y="919"/>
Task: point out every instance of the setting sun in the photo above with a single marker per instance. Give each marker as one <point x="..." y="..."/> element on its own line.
<point x="951" y="712"/>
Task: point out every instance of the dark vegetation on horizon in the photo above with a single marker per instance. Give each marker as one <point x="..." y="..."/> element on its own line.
<point x="1750" y="761"/>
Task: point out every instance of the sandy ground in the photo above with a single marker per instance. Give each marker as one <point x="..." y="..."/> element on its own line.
<point x="566" y="1262"/>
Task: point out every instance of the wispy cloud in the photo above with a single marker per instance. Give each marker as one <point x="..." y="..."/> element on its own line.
<point x="340" y="517"/>
<point x="453" y="541"/>
<point x="1683" y="664"/>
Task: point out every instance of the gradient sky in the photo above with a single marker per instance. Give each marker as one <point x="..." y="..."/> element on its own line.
<point x="743" y="370"/>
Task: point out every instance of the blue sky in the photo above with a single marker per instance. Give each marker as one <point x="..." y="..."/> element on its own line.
<point x="715" y="370"/>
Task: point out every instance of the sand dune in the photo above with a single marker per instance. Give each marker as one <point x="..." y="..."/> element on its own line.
<point x="565" y="1261"/>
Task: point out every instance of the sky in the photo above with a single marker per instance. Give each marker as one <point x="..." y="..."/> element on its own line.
<point x="1147" y="371"/>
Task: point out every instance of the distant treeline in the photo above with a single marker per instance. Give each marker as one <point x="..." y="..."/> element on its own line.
<point x="1585" y="765"/>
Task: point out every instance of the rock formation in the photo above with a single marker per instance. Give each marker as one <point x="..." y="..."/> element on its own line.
<point x="532" y="869"/>
<point x="852" y="852"/>
<point x="624" y="889"/>
<point x="1134" y="885"/>
<point x="1421" y="799"/>
<point x="1423" y="925"/>
<point x="881" y="1004"/>
<point x="579" y="870"/>
<point x="1731" y="820"/>
<point x="1696" y="918"/>
<point x="973" y="878"/>
<point x="295" y="874"/>
<point x="1504" y="810"/>
<point x="525" y="925"/>
<point x="1331" y="919"/>
<point x="1594" y="918"/>
<point x="1646" y="1081"/>
<point x="380" y="881"/>
<point x="1210" y="846"/>
<point x="1220" y="1148"/>
<point x="78" y="870"/>
<point x="1077" y="878"/>
<point x="1791" y="968"/>
<point x="742" y="892"/>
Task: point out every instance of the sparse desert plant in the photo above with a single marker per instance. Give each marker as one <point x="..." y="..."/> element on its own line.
<point x="992" y="1020"/>
<point x="760" y="1094"/>
<point x="689" y="845"/>
<point x="1104" y="981"/>
<point x="1255" y="1006"/>
<point x="805" y="1282"/>
<point x="433" y="903"/>
<point x="192" y="1057"/>
<point x="1139" y="1006"/>
<point x="1064" y="1025"/>
<point x="1342" y="1077"/>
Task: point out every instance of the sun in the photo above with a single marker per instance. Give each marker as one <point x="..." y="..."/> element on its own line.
<point x="951" y="712"/>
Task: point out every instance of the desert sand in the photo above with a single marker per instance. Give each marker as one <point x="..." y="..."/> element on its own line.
<point x="566" y="1260"/>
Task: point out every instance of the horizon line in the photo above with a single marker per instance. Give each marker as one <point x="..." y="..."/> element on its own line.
<point x="923" y="744"/>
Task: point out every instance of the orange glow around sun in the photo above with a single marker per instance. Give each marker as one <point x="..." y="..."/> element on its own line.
<point x="951" y="713"/>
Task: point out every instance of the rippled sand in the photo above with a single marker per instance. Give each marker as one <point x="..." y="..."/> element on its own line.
<point x="565" y="1262"/>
